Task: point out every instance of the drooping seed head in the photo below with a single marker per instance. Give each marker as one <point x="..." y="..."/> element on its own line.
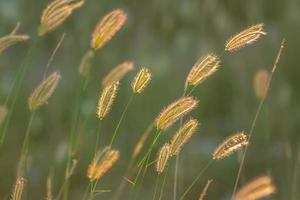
<point x="175" y="111"/>
<point x="18" y="189"/>
<point x="103" y="161"/>
<point x="3" y="113"/>
<point x="245" y="38"/>
<point x="256" y="189"/>
<point x="182" y="136"/>
<point x="141" y="80"/>
<point x="205" y="189"/>
<point x="56" y="13"/>
<point x="117" y="73"/>
<point x="107" y="27"/>
<point x="163" y="157"/>
<point x="203" y="69"/>
<point x="85" y="63"/>
<point x="230" y="145"/>
<point x="260" y="82"/>
<point x="106" y="99"/>
<point x="43" y="91"/>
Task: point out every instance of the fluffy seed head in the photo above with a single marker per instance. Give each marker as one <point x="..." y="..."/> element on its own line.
<point x="230" y="145"/>
<point x="106" y="99"/>
<point x="56" y="13"/>
<point x="141" y="80"/>
<point x="256" y="189"/>
<point x="175" y="111"/>
<point x="102" y="162"/>
<point x="117" y="73"/>
<point x="18" y="189"/>
<point x="203" y="69"/>
<point x="163" y="157"/>
<point x="246" y="37"/>
<point x="107" y="27"/>
<point x="43" y="91"/>
<point x="182" y="136"/>
<point x="205" y="189"/>
<point x="85" y="64"/>
<point x="260" y="82"/>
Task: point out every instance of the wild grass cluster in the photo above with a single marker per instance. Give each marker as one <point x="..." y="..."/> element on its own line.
<point x="153" y="152"/>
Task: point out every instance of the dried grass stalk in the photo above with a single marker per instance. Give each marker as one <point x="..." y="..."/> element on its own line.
<point x="18" y="189"/>
<point x="230" y="145"/>
<point x="182" y="136"/>
<point x="43" y="91"/>
<point x="141" y="80"/>
<point x="102" y="162"/>
<point x="205" y="189"/>
<point x="245" y="38"/>
<point x="260" y="83"/>
<point x="163" y="157"/>
<point x="85" y="63"/>
<point x="107" y="27"/>
<point x="117" y="73"/>
<point x="56" y="13"/>
<point x="175" y="111"/>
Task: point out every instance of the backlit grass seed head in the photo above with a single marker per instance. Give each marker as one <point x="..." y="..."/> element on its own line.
<point x="230" y="145"/>
<point x="163" y="157"/>
<point x="85" y="64"/>
<point x="56" y="13"/>
<point x="205" y="189"/>
<point x="256" y="189"/>
<point x="203" y="69"/>
<point x="182" y="136"/>
<point x="106" y="99"/>
<point x="260" y="82"/>
<point x="117" y="73"/>
<point x="141" y="80"/>
<point x="18" y="189"/>
<point x="103" y="161"/>
<point x="175" y="111"/>
<point x="43" y="91"/>
<point x="107" y="27"/>
<point x="245" y="38"/>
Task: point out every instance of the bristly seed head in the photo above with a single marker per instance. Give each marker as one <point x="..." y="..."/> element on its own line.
<point x="107" y="27"/>
<point x="102" y="162"/>
<point x="203" y="69"/>
<point x="56" y="13"/>
<point x="43" y="91"/>
<point x="141" y="80"/>
<point x="18" y="189"/>
<point x="230" y="145"/>
<point x="182" y="136"/>
<point x="260" y="83"/>
<point x="163" y="158"/>
<point x="175" y="111"/>
<point x="117" y="73"/>
<point x="205" y="189"/>
<point x="246" y="37"/>
<point x="106" y="99"/>
<point x="85" y="64"/>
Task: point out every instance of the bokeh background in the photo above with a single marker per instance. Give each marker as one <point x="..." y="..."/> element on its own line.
<point x="167" y="36"/>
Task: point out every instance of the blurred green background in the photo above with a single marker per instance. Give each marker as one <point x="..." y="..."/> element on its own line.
<point x="167" y="36"/>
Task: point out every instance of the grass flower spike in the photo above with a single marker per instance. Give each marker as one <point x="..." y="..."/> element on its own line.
<point x="182" y="136"/>
<point x="18" y="189"/>
<point x="85" y="64"/>
<point x="175" y="111"/>
<point x="230" y="145"/>
<point x="56" y="13"/>
<point x="205" y="189"/>
<point x="141" y="80"/>
<point x="102" y="162"/>
<point x="260" y="83"/>
<point x="163" y="158"/>
<point x="246" y="37"/>
<point x="44" y="91"/>
<point x="106" y="99"/>
<point x="107" y="27"/>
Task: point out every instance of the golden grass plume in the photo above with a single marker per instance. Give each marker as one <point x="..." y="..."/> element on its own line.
<point x="117" y="73"/>
<point x="163" y="157"/>
<point x="141" y="80"/>
<point x="106" y="99"/>
<point x="182" y="136"/>
<point x="205" y="189"/>
<point x="56" y="13"/>
<point x="256" y="189"/>
<point x="102" y="162"/>
<point x="175" y="111"/>
<point x="203" y="69"/>
<point x="245" y="37"/>
<point x="230" y="145"/>
<point x="107" y="27"/>
<point x="18" y="189"/>
<point x="43" y="91"/>
<point x="85" y="63"/>
<point x="260" y="83"/>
